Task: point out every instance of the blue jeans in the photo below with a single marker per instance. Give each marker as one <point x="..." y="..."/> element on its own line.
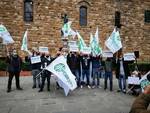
<point x="35" y="72"/>
<point x="95" y="73"/>
<point x="122" y="82"/>
<point x="110" y="76"/>
<point x="77" y="75"/>
<point x="85" y="72"/>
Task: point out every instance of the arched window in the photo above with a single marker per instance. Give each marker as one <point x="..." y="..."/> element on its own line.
<point x="28" y="10"/>
<point x="83" y="16"/>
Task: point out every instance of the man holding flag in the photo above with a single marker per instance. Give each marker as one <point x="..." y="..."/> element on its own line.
<point x="61" y="70"/>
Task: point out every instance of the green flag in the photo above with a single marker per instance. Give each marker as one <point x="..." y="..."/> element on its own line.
<point x="5" y="35"/>
<point x="67" y="30"/>
<point x="24" y="46"/>
<point x="81" y="43"/>
<point x="94" y="44"/>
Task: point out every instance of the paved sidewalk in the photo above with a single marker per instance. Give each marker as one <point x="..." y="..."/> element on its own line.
<point x="79" y="101"/>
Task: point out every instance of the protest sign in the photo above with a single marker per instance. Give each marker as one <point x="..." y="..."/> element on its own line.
<point x="129" y="57"/>
<point x="43" y="49"/>
<point x="35" y="59"/>
<point x="86" y="50"/>
<point x="73" y="47"/>
<point x="107" y="54"/>
<point x="134" y="80"/>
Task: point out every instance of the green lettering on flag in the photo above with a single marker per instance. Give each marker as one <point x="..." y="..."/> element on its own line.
<point x="81" y="43"/>
<point x="61" y="68"/>
<point x="2" y="29"/>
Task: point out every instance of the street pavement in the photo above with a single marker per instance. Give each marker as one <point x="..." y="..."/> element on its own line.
<point x="79" y="101"/>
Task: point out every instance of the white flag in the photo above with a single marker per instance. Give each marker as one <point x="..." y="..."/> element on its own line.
<point x="81" y="43"/>
<point x="24" y="46"/>
<point x="65" y="77"/>
<point x="67" y="31"/>
<point x="5" y="35"/>
<point x="114" y="42"/>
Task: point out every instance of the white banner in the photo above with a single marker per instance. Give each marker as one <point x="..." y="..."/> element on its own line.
<point x="129" y="57"/>
<point x="73" y="47"/>
<point x="72" y="43"/>
<point x="60" y="68"/>
<point x="107" y="54"/>
<point x="35" y="59"/>
<point x="86" y="50"/>
<point x="134" y="80"/>
<point x="43" y="49"/>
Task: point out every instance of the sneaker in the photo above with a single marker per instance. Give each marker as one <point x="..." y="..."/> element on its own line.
<point x="19" y="88"/>
<point x="33" y="87"/>
<point x="89" y="86"/>
<point x="40" y="90"/>
<point x="99" y="87"/>
<point x="124" y="91"/>
<point x="93" y="87"/>
<point x="8" y="90"/>
<point x="81" y="86"/>
<point x="48" y="89"/>
<point x="118" y="90"/>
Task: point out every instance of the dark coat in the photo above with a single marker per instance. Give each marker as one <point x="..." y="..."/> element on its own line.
<point x="141" y="104"/>
<point x="44" y="61"/>
<point x="96" y="63"/>
<point x="36" y="65"/>
<point x="73" y="62"/>
<point x="125" y="66"/>
<point x="14" y="63"/>
<point x="85" y="61"/>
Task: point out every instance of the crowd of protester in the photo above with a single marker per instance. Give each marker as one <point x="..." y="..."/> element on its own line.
<point x="88" y="70"/>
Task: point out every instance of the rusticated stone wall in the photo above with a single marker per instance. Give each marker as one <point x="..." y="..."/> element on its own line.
<point x="47" y="22"/>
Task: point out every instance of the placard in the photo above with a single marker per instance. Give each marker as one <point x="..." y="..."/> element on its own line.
<point x="134" y="80"/>
<point x="73" y="48"/>
<point x="72" y="43"/>
<point x="129" y="57"/>
<point x="86" y="50"/>
<point x="43" y="49"/>
<point x="107" y="54"/>
<point x="35" y="59"/>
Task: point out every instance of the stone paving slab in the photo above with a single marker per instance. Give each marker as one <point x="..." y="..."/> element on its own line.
<point x="79" y="101"/>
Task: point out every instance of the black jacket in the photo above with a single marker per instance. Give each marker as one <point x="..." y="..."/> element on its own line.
<point x="125" y="66"/>
<point x="73" y="62"/>
<point x="85" y="60"/>
<point x="14" y="63"/>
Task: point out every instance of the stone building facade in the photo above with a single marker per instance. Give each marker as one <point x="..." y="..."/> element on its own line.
<point x="45" y="29"/>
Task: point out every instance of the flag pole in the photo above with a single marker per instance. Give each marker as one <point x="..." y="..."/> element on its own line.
<point x="39" y="73"/>
<point x="7" y="55"/>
